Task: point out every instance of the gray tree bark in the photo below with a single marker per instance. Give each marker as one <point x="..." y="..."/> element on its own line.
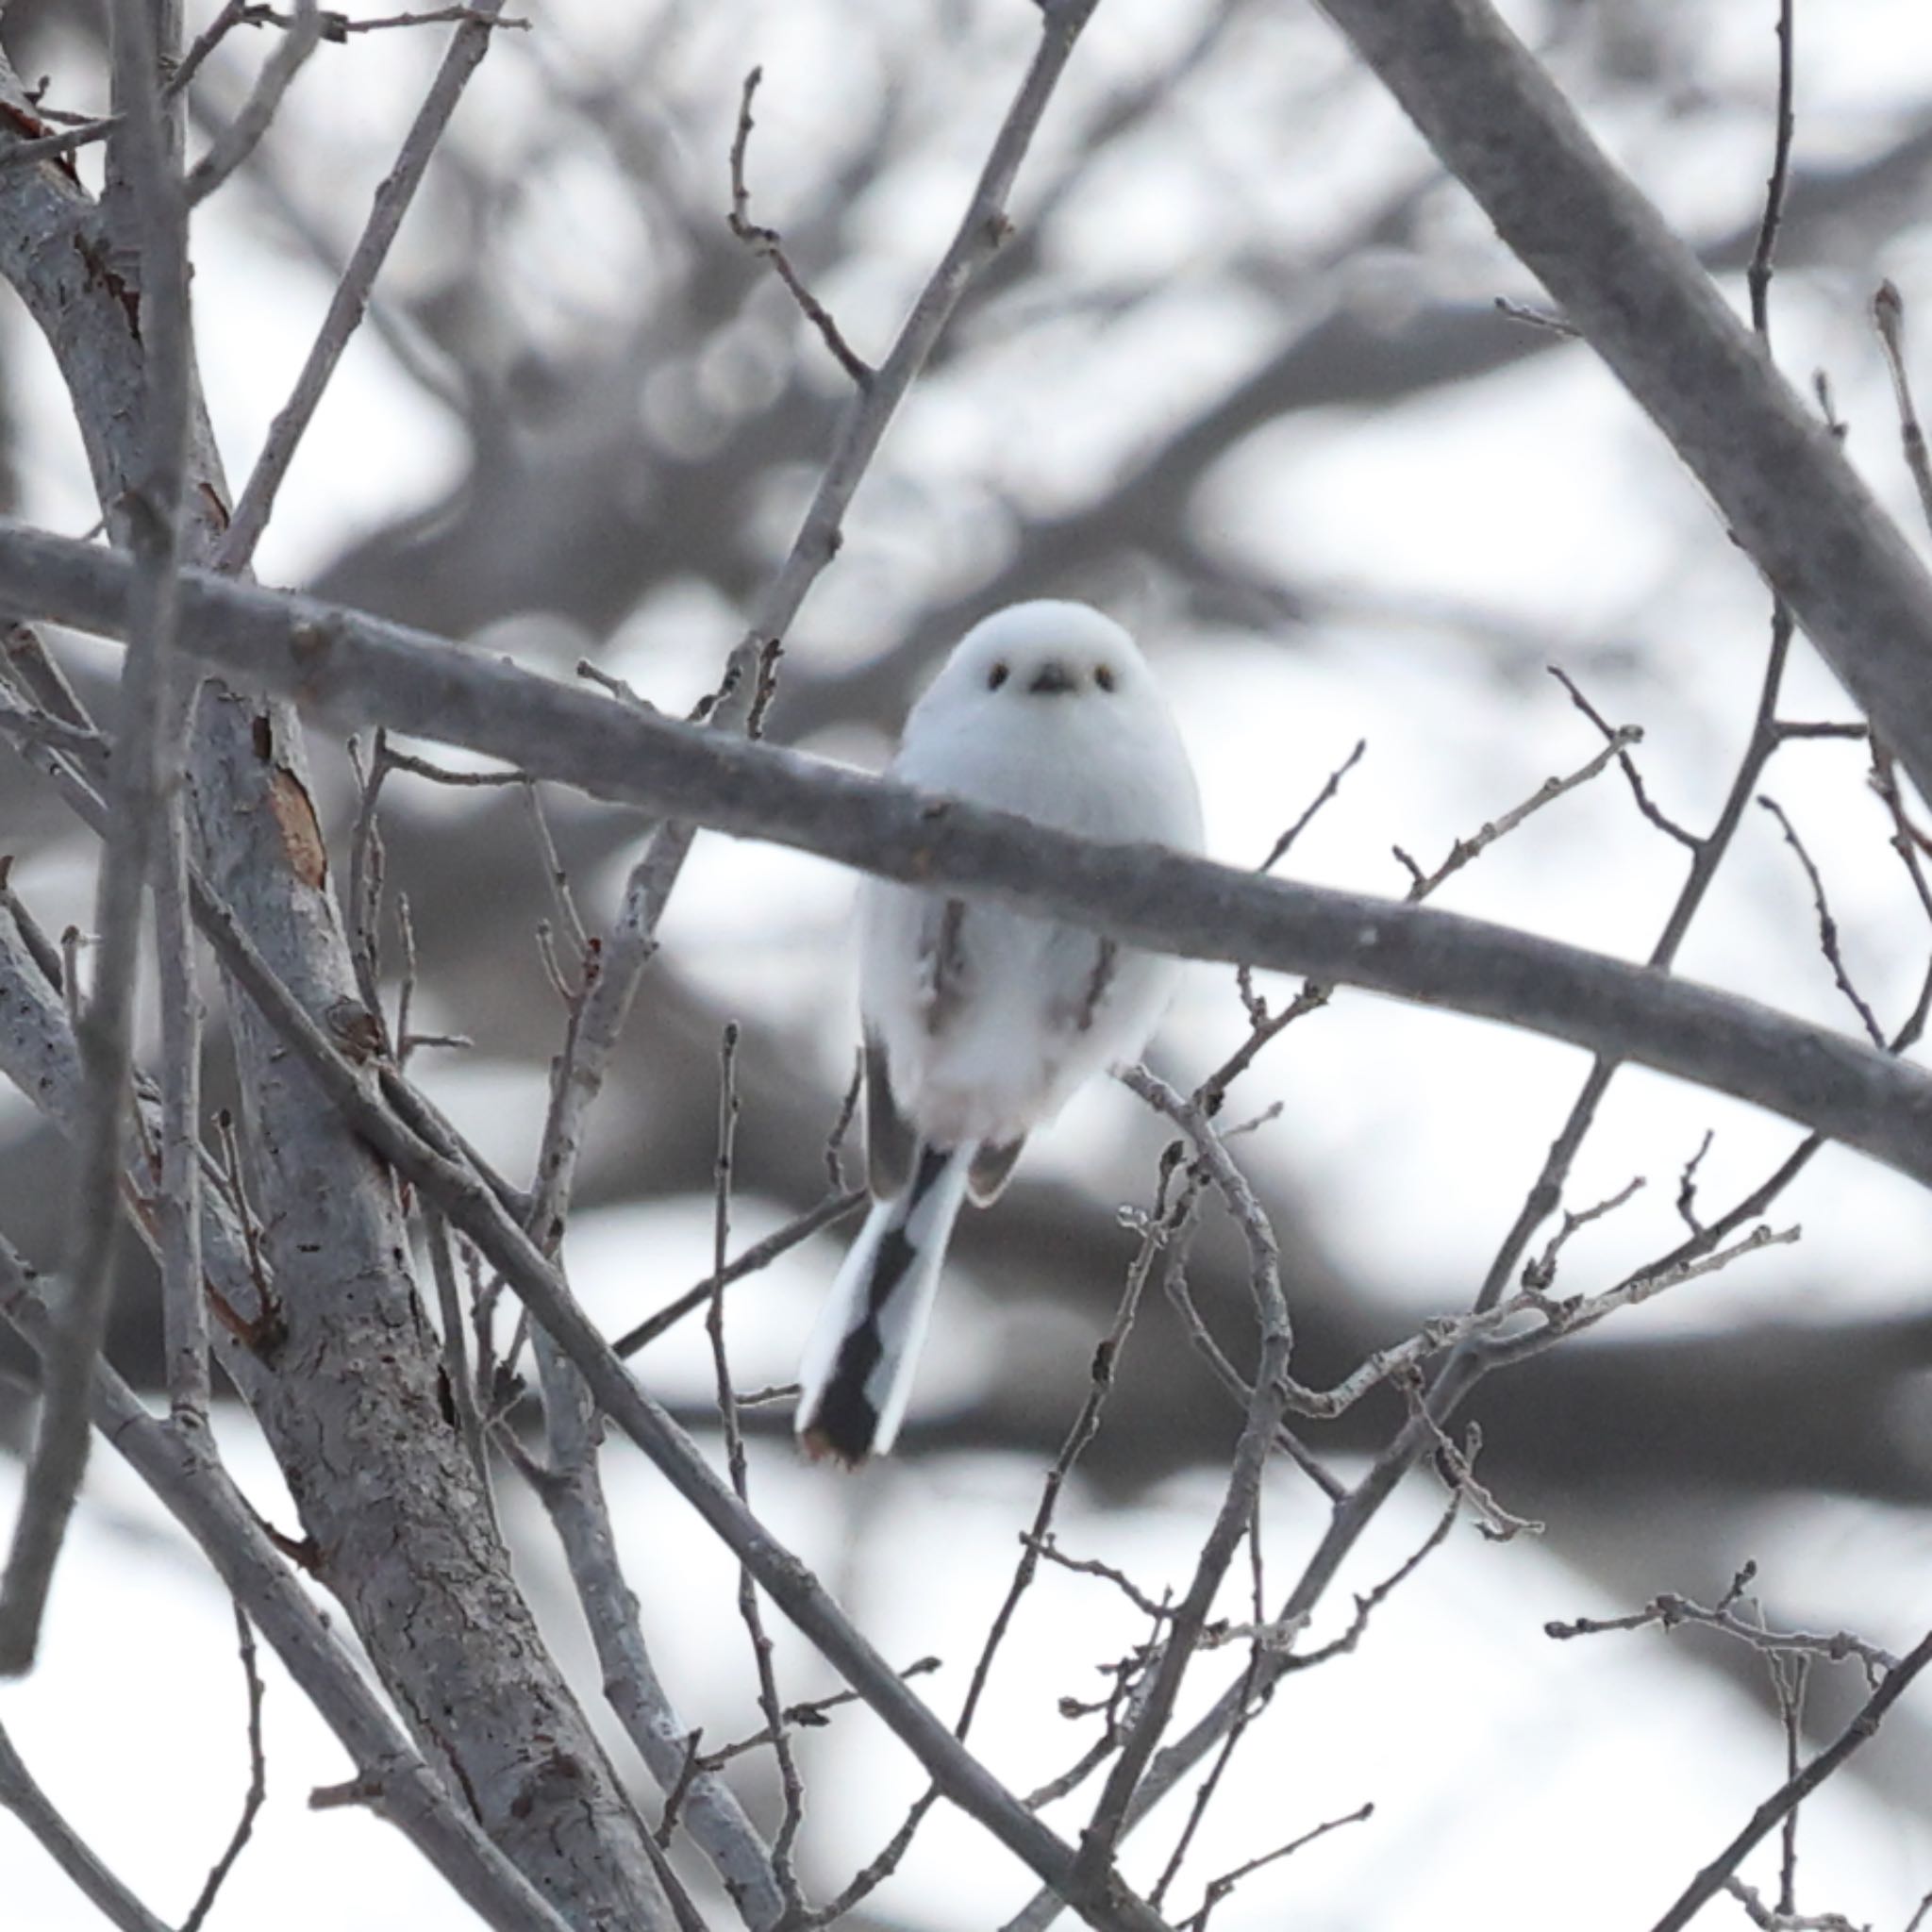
<point x="348" y="1393"/>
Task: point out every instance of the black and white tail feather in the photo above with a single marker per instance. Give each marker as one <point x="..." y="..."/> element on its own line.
<point x="858" y="1370"/>
<point x="981" y="1021"/>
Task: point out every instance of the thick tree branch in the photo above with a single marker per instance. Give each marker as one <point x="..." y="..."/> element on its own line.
<point x="186" y="1478"/>
<point x="1635" y="291"/>
<point x="348" y="1393"/>
<point x="360" y="672"/>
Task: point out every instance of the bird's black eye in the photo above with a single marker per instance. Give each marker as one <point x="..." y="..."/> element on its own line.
<point x="1102" y="676"/>
<point x="997" y="677"/>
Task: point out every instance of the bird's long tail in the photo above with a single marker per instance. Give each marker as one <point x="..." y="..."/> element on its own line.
<point x="857" y="1369"/>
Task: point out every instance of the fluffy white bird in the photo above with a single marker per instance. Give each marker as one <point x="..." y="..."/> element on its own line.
<point x="980" y="1021"/>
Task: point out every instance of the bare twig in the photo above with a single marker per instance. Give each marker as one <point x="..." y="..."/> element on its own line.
<point x="1464" y="850"/>
<point x="1668" y="1612"/>
<point x="1091" y="1566"/>
<point x="456" y="1352"/>
<point x="789" y="1784"/>
<point x="53" y="147"/>
<point x="211" y="36"/>
<point x="842" y="1124"/>
<point x="239" y="140"/>
<point x="1537" y="318"/>
<point x="252" y="511"/>
<point x="257" y="1781"/>
<point x="1795" y="1790"/>
<point x="1331" y="785"/>
<point x="813" y="1713"/>
<point x="769" y="247"/>
<point x="1757" y="275"/>
<point x="43" y="951"/>
<point x="1542" y="1273"/>
<point x="832" y="1210"/>
<point x="1686" y="1185"/>
<point x="1827" y="927"/>
<point x="555" y="877"/>
<point x="1235" y="1518"/>
<point x="1645" y="804"/>
<point x="1888" y="314"/>
<point x="1218" y="1888"/>
<point x="1774" y="1918"/>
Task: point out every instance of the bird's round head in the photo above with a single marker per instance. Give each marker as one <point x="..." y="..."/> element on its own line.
<point x="1045" y="652"/>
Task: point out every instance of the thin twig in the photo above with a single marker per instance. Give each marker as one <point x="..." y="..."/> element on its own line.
<point x="810" y="1715"/>
<point x="255" y="505"/>
<point x="769" y="247"/>
<point x="1645" y="804"/>
<point x="1331" y="785"/>
<point x="1219" y="1889"/>
<point x="1686" y="1184"/>
<point x="832" y="1210"/>
<point x="211" y="36"/>
<point x="789" y="1784"/>
<point x="1795" y="1790"/>
<point x="1237" y="1512"/>
<point x="1537" y="318"/>
<point x="240" y="138"/>
<point x="1757" y="275"/>
<point x="53" y="147"/>
<point x="1464" y="850"/>
<point x="1888" y="314"/>
<point x="257" y="1780"/>
<point x="1668" y="1612"/>
<point x="1827" y="927"/>
<point x="1541" y="1274"/>
<point x="456" y="1354"/>
<point x="555" y="877"/>
<point x="1769" y="1919"/>
<point x="41" y="949"/>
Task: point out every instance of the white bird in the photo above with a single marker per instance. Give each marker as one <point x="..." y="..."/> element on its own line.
<point x="980" y="1021"/>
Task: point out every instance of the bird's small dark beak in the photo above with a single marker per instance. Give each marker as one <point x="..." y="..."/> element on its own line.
<point x="1051" y="679"/>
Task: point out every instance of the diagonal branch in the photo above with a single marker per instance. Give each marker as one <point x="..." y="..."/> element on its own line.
<point x="1799" y="1786"/>
<point x="361" y="670"/>
<point x="192" y="1486"/>
<point x="467" y="47"/>
<point x="21" y="1793"/>
<point x="1639" y="296"/>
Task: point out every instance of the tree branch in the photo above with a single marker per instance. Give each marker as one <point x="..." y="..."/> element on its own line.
<point x="199" y="1494"/>
<point x="21" y="1793"/>
<point x="1636" y="291"/>
<point x="361" y="671"/>
<point x="467" y="47"/>
<point x="147" y="515"/>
